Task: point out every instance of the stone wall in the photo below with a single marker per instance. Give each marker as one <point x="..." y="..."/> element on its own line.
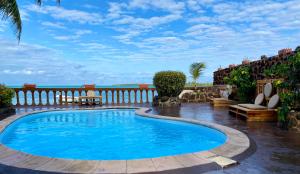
<point x="200" y="94"/>
<point x="257" y="67"/>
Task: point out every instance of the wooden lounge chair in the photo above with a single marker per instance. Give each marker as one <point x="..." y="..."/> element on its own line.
<point x="223" y="100"/>
<point x="255" y="112"/>
<point x="90" y="98"/>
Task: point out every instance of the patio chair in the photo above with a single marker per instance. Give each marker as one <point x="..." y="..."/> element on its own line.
<point x="90" y="98"/>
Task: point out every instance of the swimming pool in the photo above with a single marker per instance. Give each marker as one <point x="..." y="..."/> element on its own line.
<point x="111" y="134"/>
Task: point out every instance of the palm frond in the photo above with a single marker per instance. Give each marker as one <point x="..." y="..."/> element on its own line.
<point x="39" y="2"/>
<point x="196" y="70"/>
<point x="9" y="9"/>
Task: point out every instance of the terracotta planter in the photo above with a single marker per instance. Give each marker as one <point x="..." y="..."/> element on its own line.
<point x="89" y="87"/>
<point x="29" y="86"/>
<point x="231" y="65"/>
<point x="246" y="61"/>
<point x="143" y="86"/>
<point x="285" y="52"/>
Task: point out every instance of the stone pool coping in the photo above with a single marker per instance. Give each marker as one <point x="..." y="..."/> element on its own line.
<point x="236" y="144"/>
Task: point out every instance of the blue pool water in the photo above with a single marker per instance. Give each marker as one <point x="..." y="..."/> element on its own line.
<point x="106" y="135"/>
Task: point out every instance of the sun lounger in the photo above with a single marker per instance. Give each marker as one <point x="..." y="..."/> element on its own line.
<point x="90" y="98"/>
<point x="254" y="112"/>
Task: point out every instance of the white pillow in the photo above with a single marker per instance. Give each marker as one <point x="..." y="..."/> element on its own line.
<point x="268" y="89"/>
<point x="259" y="99"/>
<point x="274" y="100"/>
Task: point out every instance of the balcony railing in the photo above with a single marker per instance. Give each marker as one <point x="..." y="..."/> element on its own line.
<point x="52" y="96"/>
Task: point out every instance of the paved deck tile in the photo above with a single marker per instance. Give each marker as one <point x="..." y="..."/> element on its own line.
<point x="114" y="166"/>
<point x="137" y="166"/>
<point x="55" y="165"/>
<point x="166" y="163"/>
<point x="190" y="160"/>
<point x="81" y="167"/>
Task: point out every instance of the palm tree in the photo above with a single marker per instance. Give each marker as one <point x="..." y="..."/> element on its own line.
<point x="10" y="9"/>
<point x="196" y="70"/>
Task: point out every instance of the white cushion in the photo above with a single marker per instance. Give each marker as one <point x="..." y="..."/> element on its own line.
<point x="252" y="106"/>
<point x="259" y="99"/>
<point x="268" y="89"/>
<point x="274" y="100"/>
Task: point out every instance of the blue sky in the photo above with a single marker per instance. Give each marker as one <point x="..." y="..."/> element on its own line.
<point x="112" y="42"/>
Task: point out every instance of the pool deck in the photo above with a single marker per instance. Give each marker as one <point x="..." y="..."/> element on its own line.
<point x="272" y="150"/>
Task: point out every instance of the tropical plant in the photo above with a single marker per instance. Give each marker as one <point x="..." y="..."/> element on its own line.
<point x="290" y="95"/>
<point x="6" y="95"/>
<point x="10" y="9"/>
<point x="196" y="70"/>
<point x="242" y="79"/>
<point x="169" y="83"/>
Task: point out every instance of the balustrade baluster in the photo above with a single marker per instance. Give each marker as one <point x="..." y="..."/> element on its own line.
<point x="118" y="96"/>
<point x="40" y="98"/>
<point x="129" y="96"/>
<point x="25" y="97"/>
<point x="147" y="97"/>
<point x="135" y="101"/>
<point x="73" y="98"/>
<point x="123" y="97"/>
<point x="113" y="96"/>
<point x="32" y="98"/>
<point x="47" y="96"/>
<point x="141" y="95"/>
<point x="106" y="96"/>
<point x="66" y="97"/>
<point x="60" y="97"/>
<point x="17" y="97"/>
<point x="54" y="97"/>
<point x="100" y="94"/>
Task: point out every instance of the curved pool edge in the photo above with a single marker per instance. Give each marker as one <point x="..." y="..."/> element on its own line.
<point x="222" y="156"/>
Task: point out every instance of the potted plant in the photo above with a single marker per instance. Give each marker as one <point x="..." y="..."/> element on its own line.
<point x="246" y="61"/>
<point x="231" y="65"/>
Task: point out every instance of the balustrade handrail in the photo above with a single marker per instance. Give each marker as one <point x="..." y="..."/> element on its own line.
<point x="65" y="99"/>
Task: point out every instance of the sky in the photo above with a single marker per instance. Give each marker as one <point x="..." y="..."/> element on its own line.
<point x="119" y="42"/>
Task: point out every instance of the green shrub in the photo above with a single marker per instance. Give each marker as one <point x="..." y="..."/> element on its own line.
<point x="6" y="96"/>
<point x="169" y="83"/>
<point x="242" y="79"/>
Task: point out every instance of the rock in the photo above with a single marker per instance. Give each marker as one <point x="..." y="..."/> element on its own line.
<point x="294" y="121"/>
<point x="171" y="102"/>
<point x="185" y="92"/>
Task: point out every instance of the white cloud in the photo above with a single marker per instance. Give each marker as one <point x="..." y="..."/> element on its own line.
<point x="74" y="37"/>
<point x="167" y="5"/>
<point x="131" y="25"/>
<point x="23" y="72"/>
<point x="61" y="13"/>
<point x="58" y="25"/>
